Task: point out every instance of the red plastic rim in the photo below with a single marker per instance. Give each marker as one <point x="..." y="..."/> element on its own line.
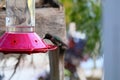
<point x="20" y="43"/>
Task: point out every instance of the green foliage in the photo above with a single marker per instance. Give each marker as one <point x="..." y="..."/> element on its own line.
<point x="67" y="72"/>
<point x="87" y="15"/>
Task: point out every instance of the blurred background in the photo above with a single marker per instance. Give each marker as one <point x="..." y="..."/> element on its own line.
<point x="83" y="58"/>
<point x="83" y="19"/>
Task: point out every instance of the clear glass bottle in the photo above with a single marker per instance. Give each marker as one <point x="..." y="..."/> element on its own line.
<point x="20" y="15"/>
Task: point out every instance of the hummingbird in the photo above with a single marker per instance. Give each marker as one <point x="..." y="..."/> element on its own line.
<point x="56" y="40"/>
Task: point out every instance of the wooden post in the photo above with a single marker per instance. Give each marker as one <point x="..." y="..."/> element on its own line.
<point x="51" y="20"/>
<point x="61" y="65"/>
<point x="56" y="64"/>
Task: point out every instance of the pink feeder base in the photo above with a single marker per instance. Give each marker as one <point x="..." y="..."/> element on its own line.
<point x="28" y="43"/>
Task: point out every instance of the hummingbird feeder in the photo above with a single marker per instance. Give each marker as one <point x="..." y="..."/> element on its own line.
<point x="20" y="36"/>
